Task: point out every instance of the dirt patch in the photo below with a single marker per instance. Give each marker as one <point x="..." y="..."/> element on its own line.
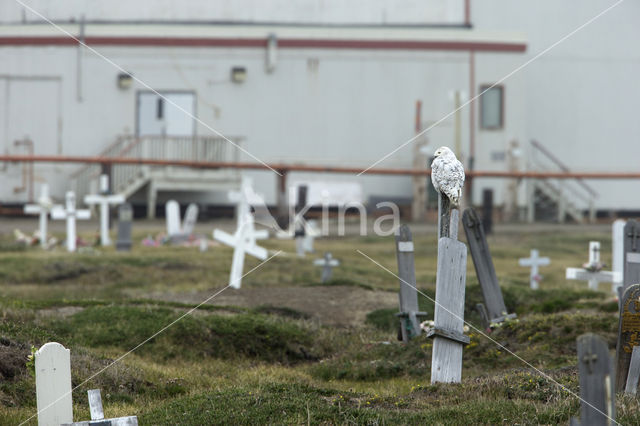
<point x="13" y="358"/>
<point x="60" y="311"/>
<point x="330" y="305"/>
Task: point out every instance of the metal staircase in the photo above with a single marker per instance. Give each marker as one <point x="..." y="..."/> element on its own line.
<point x="127" y="179"/>
<point x="557" y="199"/>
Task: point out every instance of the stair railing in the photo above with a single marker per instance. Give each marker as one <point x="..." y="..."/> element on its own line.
<point x="572" y="195"/>
<point x="200" y="148"/>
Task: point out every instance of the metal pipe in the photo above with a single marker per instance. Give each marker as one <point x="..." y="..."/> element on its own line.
<point x="308" y="168"/>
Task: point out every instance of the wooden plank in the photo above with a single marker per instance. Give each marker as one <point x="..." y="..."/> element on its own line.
<point x="95" y="404"/>
<point x="597" y="389"/>
<point x="631" y="271"/>
<point x="634" y="372"/>
<point x="483" y="264"/>
<point x="446" y="360"/>
<point x="628" y="333"/>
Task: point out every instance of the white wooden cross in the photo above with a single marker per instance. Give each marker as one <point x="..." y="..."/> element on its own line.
<point x="244" y="239"/>
<point x="592" y="270"/>
<point x="44" y="206"/>
<point x="617" y="252"/>
<point x="53" y="385"/>
<point x="534" y="262"/>
<point x="327" y="263"/>
<point x="104" y="200"/>
<point x="70" y="214"/>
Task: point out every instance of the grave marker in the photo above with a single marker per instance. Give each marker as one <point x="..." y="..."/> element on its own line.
<point x="617" y="252"/>
<point x="631" y="254"/>
<point x="534" y="261"/>
<point x="125" y="217"/>
<point x="628" y="333"/>
<point x="495" y="309"/>
<point x="44" y="206"/>
<point x="190" y="219"/>
<point x="71" y="215"/>
<point x="53" y="385"/>
<point x="97" y="414"/>
<point x="172" y="213"/>
<point x="447" y="333"/>
<point x="244" y="239"/>
<point x="327" y="262"/>
<point x="104" y="200"/>
<point x="592" y="270"/>
<point x="631" y="387"/>
<point x="410" y="315"/>
<point x="597" y="389"/>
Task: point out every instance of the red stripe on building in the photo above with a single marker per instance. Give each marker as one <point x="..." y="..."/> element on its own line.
<point x="261" y="42"/>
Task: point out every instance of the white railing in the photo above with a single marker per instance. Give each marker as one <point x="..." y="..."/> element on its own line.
<point x="126" y="177"/>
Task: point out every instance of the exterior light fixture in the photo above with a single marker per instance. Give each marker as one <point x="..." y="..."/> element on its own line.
<point x="125" y="80"/>
<point x="238" y="74"/>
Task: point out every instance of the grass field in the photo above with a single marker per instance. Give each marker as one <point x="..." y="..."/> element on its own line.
<point x="287" y="349"/>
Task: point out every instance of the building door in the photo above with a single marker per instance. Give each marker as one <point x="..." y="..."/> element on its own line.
<point x="170" y="114"/>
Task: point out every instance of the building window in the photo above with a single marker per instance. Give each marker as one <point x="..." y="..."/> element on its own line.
<point x="492" y="107"/>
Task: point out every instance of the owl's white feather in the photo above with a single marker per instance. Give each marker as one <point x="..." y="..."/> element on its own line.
<point x="447" y="174"/>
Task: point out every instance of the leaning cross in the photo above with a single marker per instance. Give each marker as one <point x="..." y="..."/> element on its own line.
<point x="104" y="200"/>
<point x="328" y="262"/>
<point x="592" y="270"/>
<point x="534" y="261"/>
<point x="70" y="214"/>
<point x="244" y="239"/>
<point x="44" y="206"/>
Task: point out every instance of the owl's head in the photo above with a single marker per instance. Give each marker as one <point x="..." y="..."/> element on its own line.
<point x="443" y="150"/>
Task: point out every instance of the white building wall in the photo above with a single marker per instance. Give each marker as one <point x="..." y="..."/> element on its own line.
<point x="583" y="96"/>
<point x="319" y="106"/>
<point x="282" y="11"/>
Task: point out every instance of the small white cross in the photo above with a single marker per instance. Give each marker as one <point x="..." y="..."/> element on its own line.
<point x="591" y="272"/>
<point x="44" y="206"/>
<point x="328" y="262"/>
<point x="70" y="214"/>
<point x="534" y="262"/>
<point x="104" y="200"/>
<point x="244" y="239"/>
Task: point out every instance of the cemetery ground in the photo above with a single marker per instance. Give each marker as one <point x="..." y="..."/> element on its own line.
<point x="286" y="348"/>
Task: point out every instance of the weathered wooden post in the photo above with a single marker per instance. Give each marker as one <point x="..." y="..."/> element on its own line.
<point x="494" y="307"/>
<point x="597" y="389"/>
<point x="447" y="333"/>
<point x="628" y="333"/>
<point x="409" y="311"/>
<point x="631" y="254"/>
<point x="487" y="210"/>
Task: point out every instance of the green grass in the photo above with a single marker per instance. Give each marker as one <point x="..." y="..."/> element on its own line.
<point x="279" y="363"/>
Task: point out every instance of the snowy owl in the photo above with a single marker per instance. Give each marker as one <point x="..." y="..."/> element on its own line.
<point x="447" y="174"/>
